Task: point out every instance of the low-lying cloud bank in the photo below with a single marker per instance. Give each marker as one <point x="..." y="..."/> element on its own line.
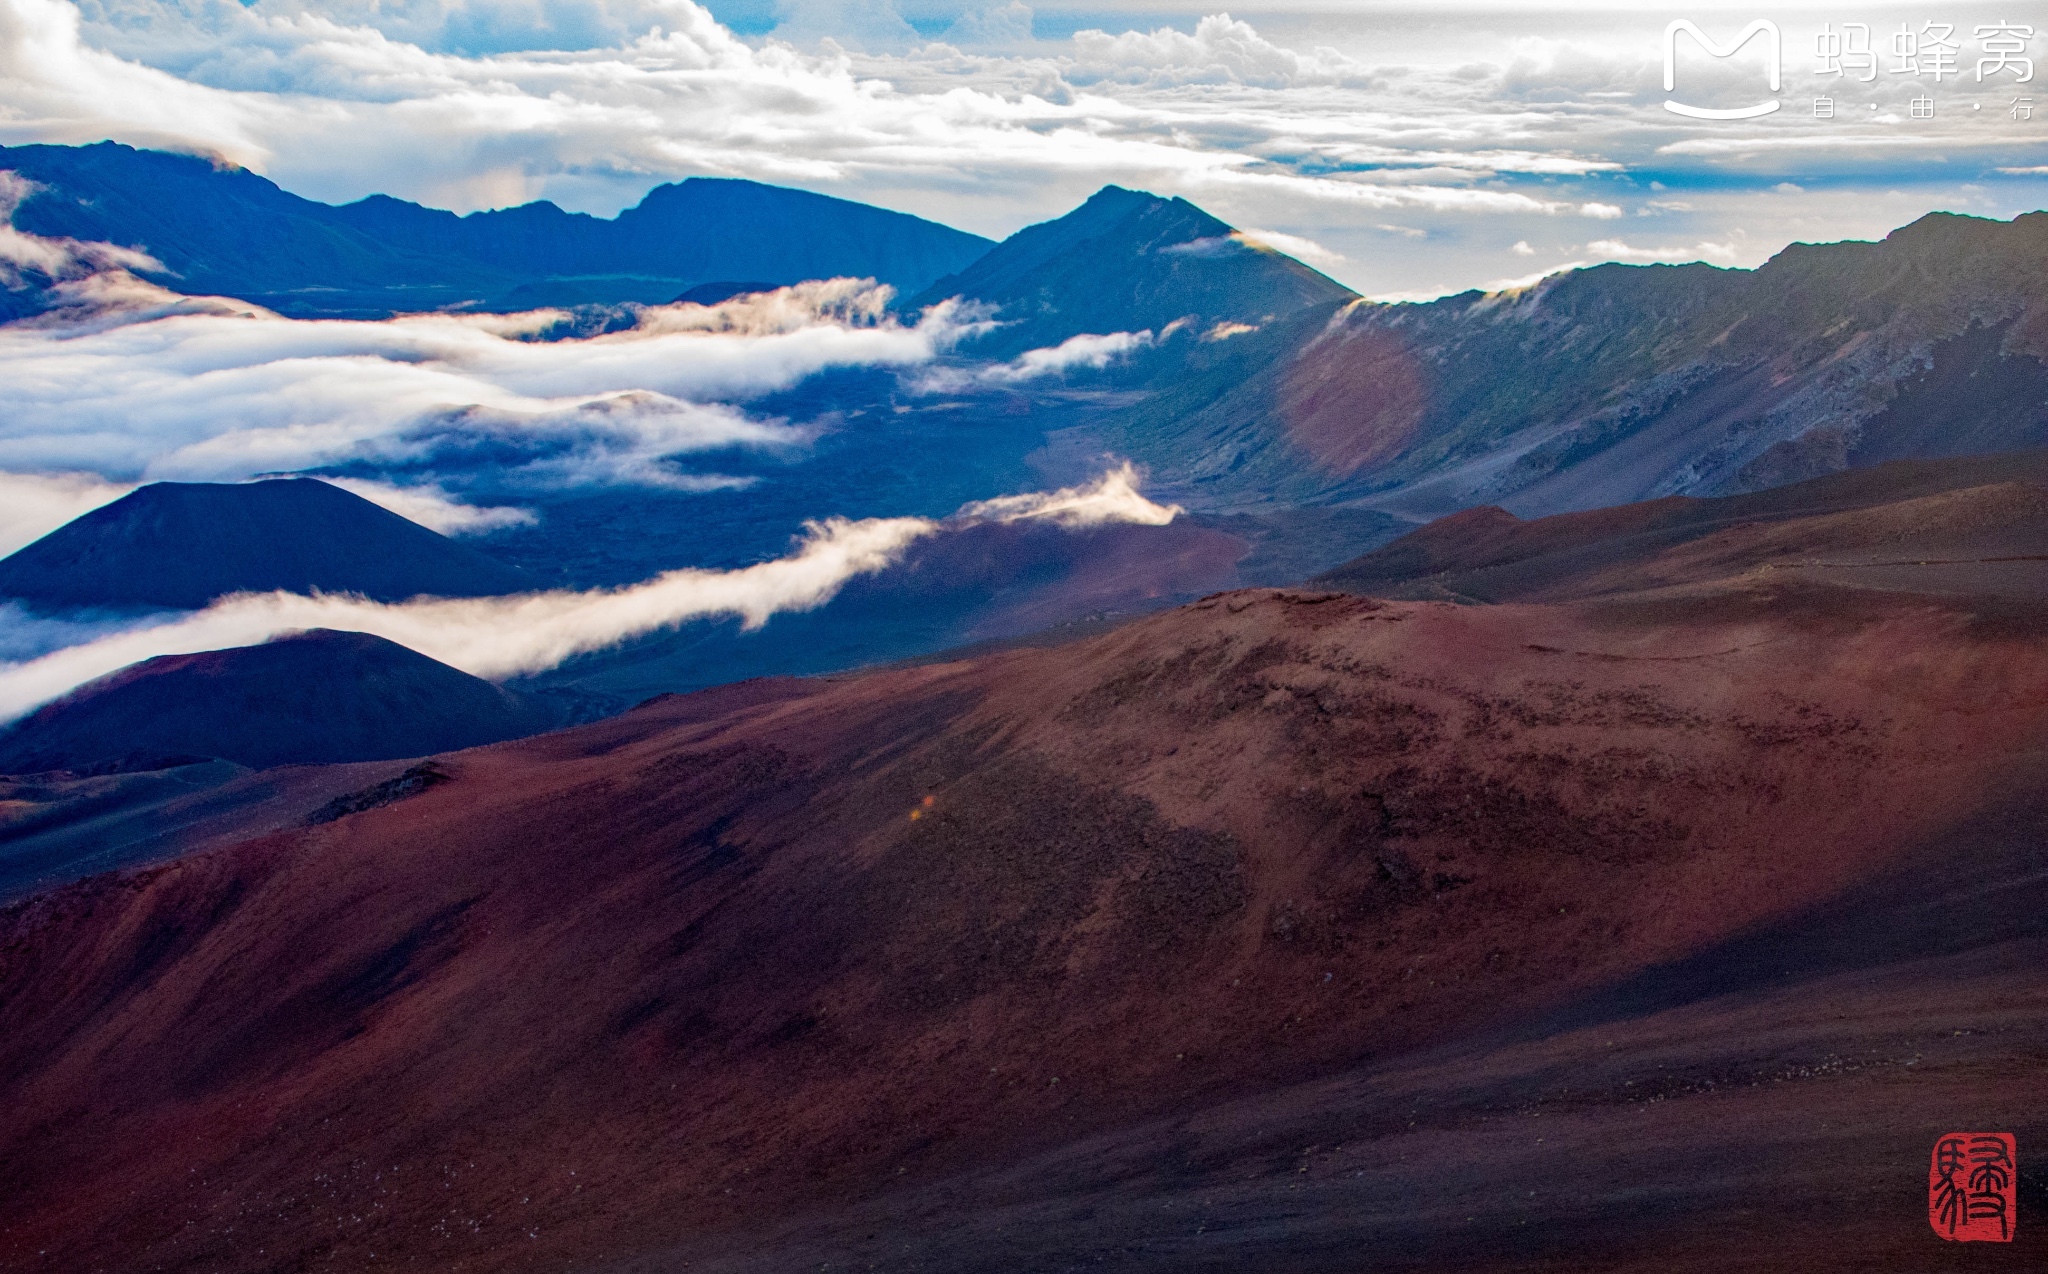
<point x="154" y="391"/>
<point x="498" y="637"/>
<point x="1113" y="497"/>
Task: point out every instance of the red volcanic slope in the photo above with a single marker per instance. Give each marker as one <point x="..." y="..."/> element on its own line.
<point x="1956" y="516"/>
<point x="1118" y="953"/>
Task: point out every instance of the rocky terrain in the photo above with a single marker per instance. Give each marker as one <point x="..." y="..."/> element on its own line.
<point x="1618" y="383"/>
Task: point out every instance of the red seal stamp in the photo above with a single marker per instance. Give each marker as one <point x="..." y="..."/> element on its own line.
<point x="1973" y="1187"/>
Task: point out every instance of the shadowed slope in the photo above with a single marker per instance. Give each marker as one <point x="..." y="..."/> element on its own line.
<point x="317" y="696"/>
<point x="182" y="544"/>
<point x="637" y="995"/>
<point x="1613" y="384"/>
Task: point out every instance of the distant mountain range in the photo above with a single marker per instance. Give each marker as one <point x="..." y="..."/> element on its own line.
<point x="1266" y="383"/>
<point x="226" y="231"/>
<point x="179" y="545"/>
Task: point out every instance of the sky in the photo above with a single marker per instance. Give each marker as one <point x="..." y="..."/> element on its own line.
<point x="1408" y="150"/>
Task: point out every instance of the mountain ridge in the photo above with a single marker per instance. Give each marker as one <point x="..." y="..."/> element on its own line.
<point x="226" y="230"/>
<point x="1618" y="383"/>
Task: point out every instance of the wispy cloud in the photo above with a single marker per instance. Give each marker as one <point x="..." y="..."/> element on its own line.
<point x="27" y="259"/>
<point x="1303" y="248"/>
<point x="433" y="507"/>
<point x="1220" y="50"/>
<point x="1088" y="350"/>
<point x="1113" y="497"/>
<point x="497" y="636"/>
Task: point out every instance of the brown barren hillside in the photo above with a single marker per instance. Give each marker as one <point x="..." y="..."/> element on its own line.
<point x="1973" y="526"/>
<point x="1288" y="930"/>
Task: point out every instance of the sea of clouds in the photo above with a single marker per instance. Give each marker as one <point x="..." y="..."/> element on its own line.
<point x="122" y="382"/>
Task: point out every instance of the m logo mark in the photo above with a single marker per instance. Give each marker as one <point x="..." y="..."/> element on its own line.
<point x="1767" y="28"/>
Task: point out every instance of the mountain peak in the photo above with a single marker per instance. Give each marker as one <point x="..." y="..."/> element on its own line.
<point x="1128" y="260"/>
<point x="182" y="544"/>
<point x="316" y="696"/>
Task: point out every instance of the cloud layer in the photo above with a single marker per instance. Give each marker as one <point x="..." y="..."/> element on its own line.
<point x="233" y="391"/>
<point x="498" y="637"/>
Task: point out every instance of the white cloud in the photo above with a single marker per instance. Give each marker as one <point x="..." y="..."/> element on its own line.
<point x="1599" y="211"/>
<point x="996" y="25"/>
<point x="1302" y="248"/>
<point x="1087" y="350"/>
<point x="494" y="636"/>
<point x="1222" y="50"/>
<point x="1753" y="144"/>
<point x="1522" y="248"/>
<point x="24" y="256"/>
<point x="1113" y="497"/>
<point x="55" y="87"/>
<point x="26" y="634"/>
<point x="852" y="24"/>
<point x="230" y="393"/>
<point x="432" y="507"/>
<point x="1492" y="287"/>
<point x="1616" y="250"/>
<point x="498" y="637"/>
